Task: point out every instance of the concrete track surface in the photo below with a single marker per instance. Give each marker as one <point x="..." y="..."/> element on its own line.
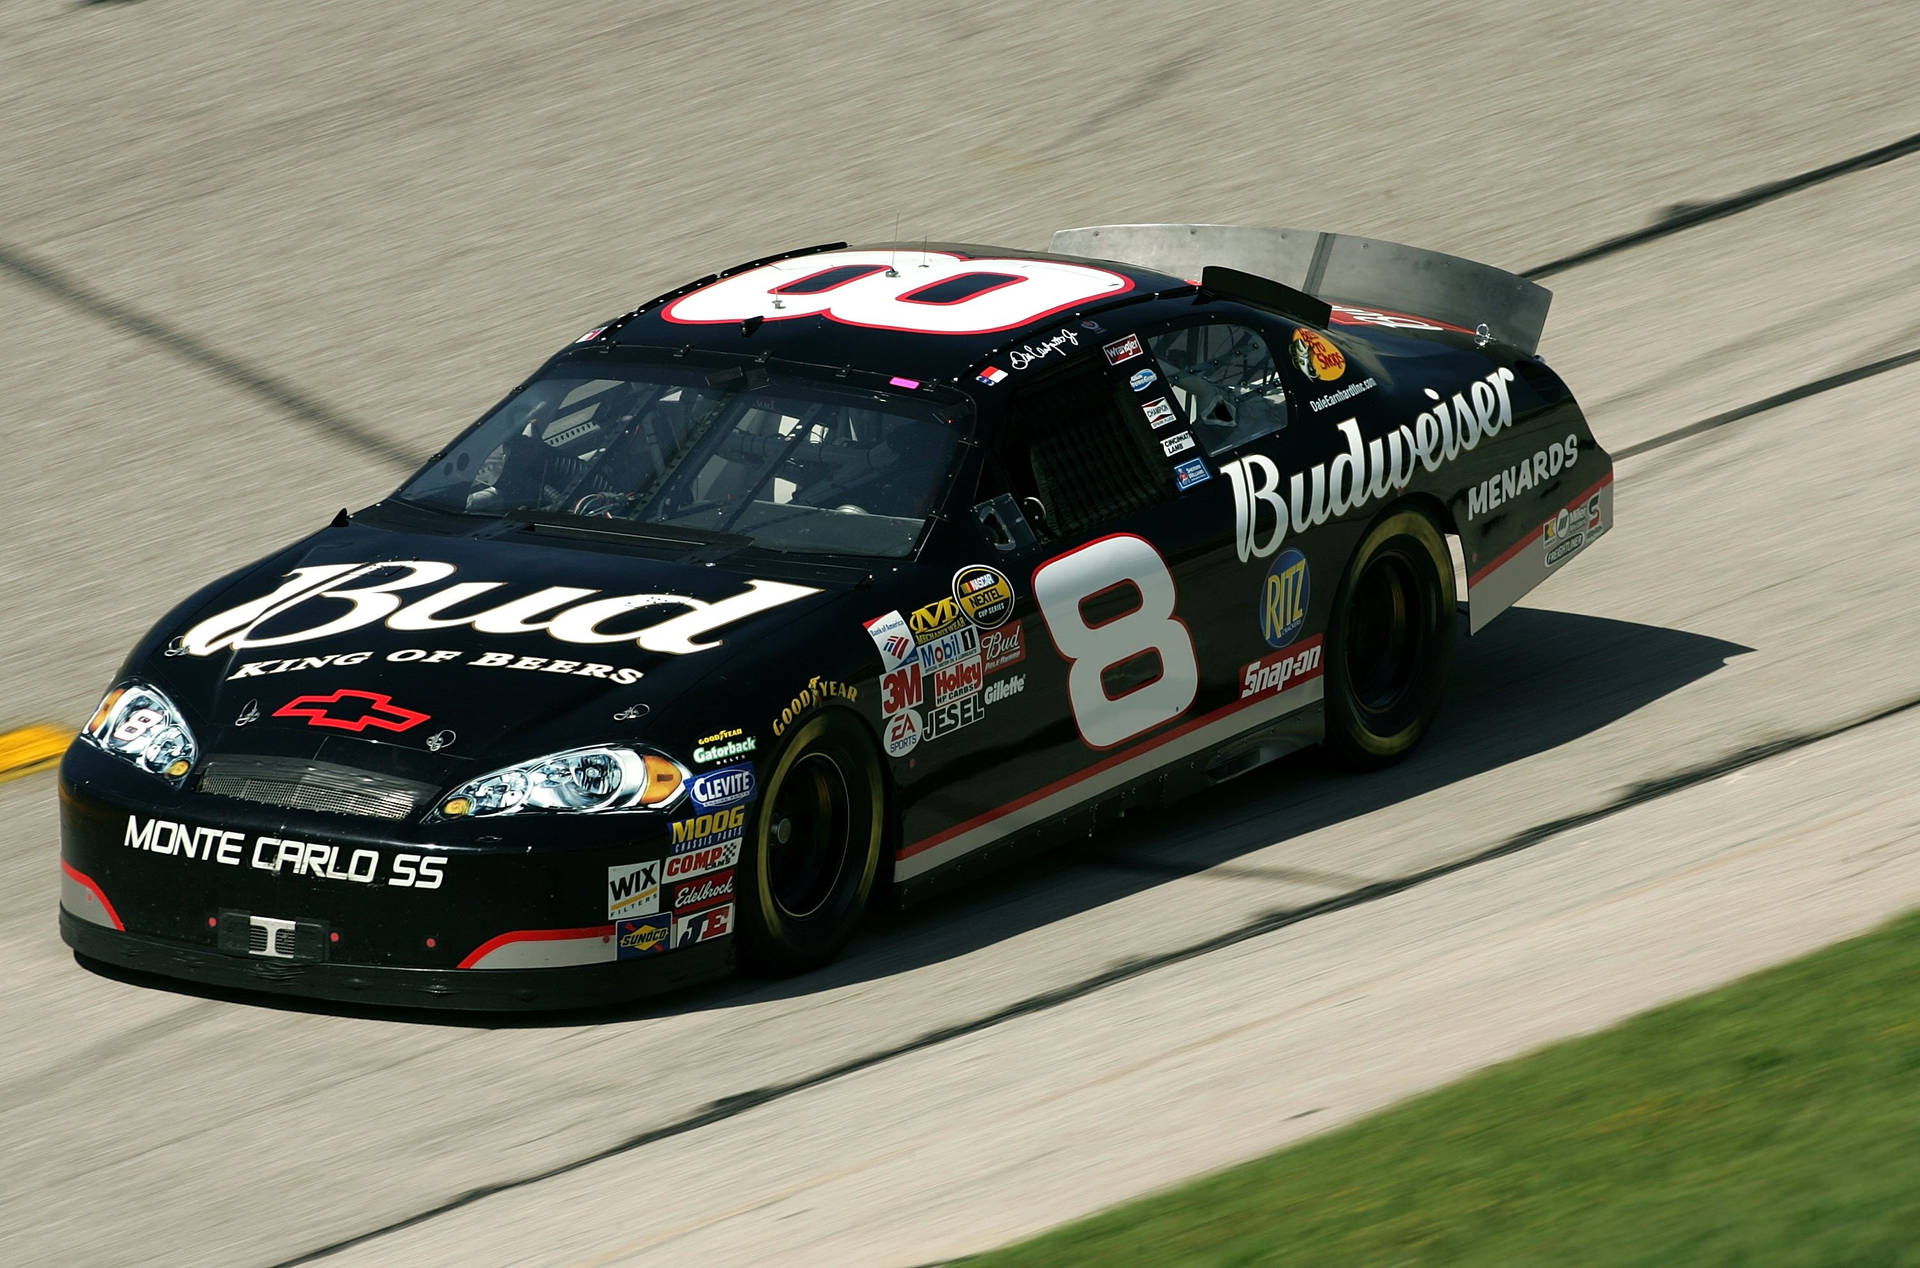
<point x="254" y="259"/>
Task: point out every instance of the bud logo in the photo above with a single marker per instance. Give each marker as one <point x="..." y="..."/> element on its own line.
<point x="699" y="862"/>
<point x="702" y="892"/>
<point x="1003" y="647"/>
<point x="350" y="710"/>
<point x="633" y="890"/>
<point x="1006" y="687"/>
<point x="727" y="786"/>
<point x="699" y="926"/>
<point x="708" y="829"/>
<point x="961" y="678"/>
<point x="901" y="689"/>
<point x="1283" y="598"/>
<point x="942" y="616"/>
<point x="1277" y="671"/>
<point x="641" y="937"/>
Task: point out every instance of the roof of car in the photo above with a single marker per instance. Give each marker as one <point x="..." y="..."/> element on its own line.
<point x="677" y="320"/>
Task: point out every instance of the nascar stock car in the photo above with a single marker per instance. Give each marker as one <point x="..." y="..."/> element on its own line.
<point x="831" y="575"/>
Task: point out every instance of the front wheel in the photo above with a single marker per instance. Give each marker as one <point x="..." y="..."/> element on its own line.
<point x="1389" y="642"/>
<point x="814" y="849"/>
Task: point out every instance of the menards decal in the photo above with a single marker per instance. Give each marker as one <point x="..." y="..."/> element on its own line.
<point x="374" y="593"/>
<point x="276" y="854"/>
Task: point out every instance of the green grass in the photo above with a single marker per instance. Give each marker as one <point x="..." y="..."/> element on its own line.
<point x="1775" y="1121"/>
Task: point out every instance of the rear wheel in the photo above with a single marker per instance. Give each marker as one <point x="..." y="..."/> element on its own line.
<point x="1390" y="641"/>
<point x="814" y="848"/>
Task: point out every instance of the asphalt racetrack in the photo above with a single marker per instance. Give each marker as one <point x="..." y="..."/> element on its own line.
<point x="257" y="260"/>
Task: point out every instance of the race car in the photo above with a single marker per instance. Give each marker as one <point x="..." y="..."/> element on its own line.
<point x="832" y="576"/>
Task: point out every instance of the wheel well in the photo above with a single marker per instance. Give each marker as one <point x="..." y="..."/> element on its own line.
<point x="1436" y="510"/>
<point x="845" y="717"/>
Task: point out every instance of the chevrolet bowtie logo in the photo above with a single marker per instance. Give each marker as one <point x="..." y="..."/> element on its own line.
<point x="350" y="710"/>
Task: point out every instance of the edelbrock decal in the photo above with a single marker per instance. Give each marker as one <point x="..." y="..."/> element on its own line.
<point x="570" y="614"/>
<point x="1367" y="471"/>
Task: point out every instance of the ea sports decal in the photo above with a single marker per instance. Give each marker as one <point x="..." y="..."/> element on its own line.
<point x="1283" y="598"/>
<point x="984" y="595"/>
<point x="901" y="732"/>
<point x="925" y="292"/>
<point x="1316" y="356"/>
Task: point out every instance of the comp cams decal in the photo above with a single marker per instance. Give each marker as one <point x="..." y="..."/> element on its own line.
<point x="1367" y="471"/>
<point x="405" y="870"/>
<point x="375" y="595"/>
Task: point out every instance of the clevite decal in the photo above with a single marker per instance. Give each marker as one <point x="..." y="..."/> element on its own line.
<point x="1367" y="471"/>
<point x="1489" y="494"/>
<point x="570" y="614"/>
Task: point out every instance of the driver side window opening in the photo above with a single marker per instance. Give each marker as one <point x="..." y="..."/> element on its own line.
<point x="1071" y="446"/>
<point x="1226" y="382"/>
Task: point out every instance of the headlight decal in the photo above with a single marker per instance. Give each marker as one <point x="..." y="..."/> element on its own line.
<point x="137" y="723"/>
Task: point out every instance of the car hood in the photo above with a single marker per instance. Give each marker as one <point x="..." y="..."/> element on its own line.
<point x="369" y="647"/>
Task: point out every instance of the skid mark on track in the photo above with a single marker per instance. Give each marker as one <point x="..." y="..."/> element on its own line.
<point x="1687" y="215"/>
<point x="27" y="749"/>
<point x="289" y="400"/>
<point x="1788" y="397"/>
<point x="731" y="1106"/>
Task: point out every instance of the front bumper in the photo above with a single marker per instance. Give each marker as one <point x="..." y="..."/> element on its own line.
<point x="507" y="914"/>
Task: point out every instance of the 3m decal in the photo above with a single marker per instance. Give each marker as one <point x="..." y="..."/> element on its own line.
<point x="1367" y="471"/>
<point x="1125" y="349"/>
<point x="699" y="862"/>
<point x="1191" y="472"/>
<point x="647" y="936"/>
<point x="1277" y="671"/>
<point x="1491" y="493"/>
<point x="1316" y="356"/>
<point x="723" y="746"/>
<point x="901" y="689"/>
<point x="718" y="789"/>
<point x="633" y="889"/>
<point x="403" y="870"/>
<point x="1028" y="353"/>
<point x="984" y="594"/>
<point x="1141" y="380"/>
<point x="1158" y="412"/>
<point x="1283" y="598"/>
<point x="1004" y="646"/>
<point x="951" y="717"/>
<point x="892" y="638"/>
<point x="1062" y="584"/>
<point x="569" y="614"/>
<point x="699" y="926"/>
<point x="1179" y="442"/>
<point x="708" y="829"/>
<point x="902" y="733"/>
<point x="929" y="292"/>
<point x="956" y="679"/>
<point x="351" y="710"/>
<point x="939" y="618"/>
<point x="817" y="691"/>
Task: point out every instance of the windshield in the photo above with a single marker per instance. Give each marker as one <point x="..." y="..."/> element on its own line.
<point x="791" y="462"/>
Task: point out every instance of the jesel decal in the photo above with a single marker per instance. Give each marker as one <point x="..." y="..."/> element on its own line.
<point x="568" y="613"/>
<point x="1367" y="471"/>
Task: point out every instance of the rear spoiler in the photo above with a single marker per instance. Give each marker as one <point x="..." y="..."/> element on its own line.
<point x="1338" y="268"/>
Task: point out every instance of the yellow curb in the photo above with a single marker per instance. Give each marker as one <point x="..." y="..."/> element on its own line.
<point x="30" y="748"/>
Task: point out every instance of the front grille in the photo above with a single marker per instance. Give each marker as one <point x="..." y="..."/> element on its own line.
<point x="302" y="784"/>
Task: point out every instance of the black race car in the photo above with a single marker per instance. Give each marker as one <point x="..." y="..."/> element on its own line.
<point x="836" y="573"/>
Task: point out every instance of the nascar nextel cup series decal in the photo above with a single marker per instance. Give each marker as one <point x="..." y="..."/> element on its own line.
<point x="1367" y="471"/>
<point x="567" y="613"/>
<point x="984" y="595"/>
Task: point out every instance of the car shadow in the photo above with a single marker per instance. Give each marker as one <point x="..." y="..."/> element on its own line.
<point x="1529" y="683"/>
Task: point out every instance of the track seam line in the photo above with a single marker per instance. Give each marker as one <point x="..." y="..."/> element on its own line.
<point x="733" y="1106"/>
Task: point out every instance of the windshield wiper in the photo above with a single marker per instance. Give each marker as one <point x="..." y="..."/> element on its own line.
<point x="678" y="536"/>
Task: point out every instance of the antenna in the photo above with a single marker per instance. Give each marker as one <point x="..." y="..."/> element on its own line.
<point x="893" y="253"/>
<point x="923" y="253"/>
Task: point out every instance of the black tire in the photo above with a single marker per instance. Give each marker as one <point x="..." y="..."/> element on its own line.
<point x="813" y="848"/>
<point x="1389" y="642"/>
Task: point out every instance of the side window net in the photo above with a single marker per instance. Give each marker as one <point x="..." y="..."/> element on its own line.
<point x="1225" y="380"/>
<point x="1087" y="460"/>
